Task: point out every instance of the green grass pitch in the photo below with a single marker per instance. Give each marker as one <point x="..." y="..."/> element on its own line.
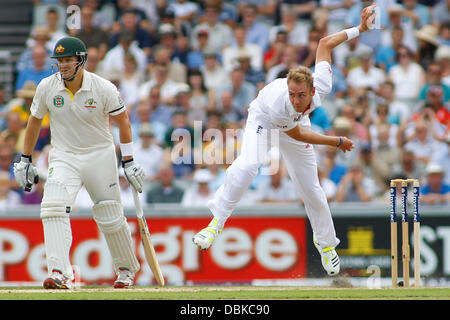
<point x="224" y="293"/>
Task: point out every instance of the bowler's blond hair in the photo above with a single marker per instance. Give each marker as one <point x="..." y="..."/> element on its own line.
<point x="300" y="74"/>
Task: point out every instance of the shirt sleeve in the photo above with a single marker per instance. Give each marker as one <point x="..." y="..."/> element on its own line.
<point x="323" y="78"/>
<point x="114" y="102"/>
<point x="39" y="106"/>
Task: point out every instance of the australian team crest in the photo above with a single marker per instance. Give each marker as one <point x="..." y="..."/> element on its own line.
<point x="58" y="101"/>
<point x="90" y="104"/>
<point x="59" y="49"/>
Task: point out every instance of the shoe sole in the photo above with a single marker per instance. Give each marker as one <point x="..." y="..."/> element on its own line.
<point x="50" y="283"/>
<point x="121" y="285"/>
<point x="198" y="244"/>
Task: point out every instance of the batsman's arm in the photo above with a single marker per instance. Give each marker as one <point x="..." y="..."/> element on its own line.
<point x="31" y="135"/>
<point x="309" y="136"/>
<point x="328" y="43"/>
<point x="123" y="122"/>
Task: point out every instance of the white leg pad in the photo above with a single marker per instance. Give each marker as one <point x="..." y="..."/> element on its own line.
<point x="57" y="229"/>
<point x="110" y="219"/>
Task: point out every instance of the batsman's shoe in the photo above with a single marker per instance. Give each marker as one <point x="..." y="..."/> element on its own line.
<point x="125" y="278"/>
<point x="330" y="259"/>
<point x="205" y="238"/>
<point x="57" y="281"/>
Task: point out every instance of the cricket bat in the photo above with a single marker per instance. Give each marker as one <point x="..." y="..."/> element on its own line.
<point x="150" y="254"/>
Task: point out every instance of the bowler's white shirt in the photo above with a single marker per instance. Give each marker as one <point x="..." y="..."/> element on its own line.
<point x="80" y="125"/>
<point x="272" y="108"/>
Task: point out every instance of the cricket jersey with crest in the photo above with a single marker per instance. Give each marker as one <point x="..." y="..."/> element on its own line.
<point x="272" y="108"/>
<point x="79" y="123"/>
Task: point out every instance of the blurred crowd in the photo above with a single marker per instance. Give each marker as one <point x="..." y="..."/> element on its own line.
<point x="187" y="71"/>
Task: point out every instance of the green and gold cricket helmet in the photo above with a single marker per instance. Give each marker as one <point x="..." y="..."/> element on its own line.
<point x="69" y="47"/>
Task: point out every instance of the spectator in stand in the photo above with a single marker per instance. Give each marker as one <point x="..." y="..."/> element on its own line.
<point x="443" y="58"/>
<point x="266" y="9"/>
<point x="213" y="72"/>
<point x="442" y="157"/>
<point x="147" y="152"/>
<point x="125" y="6"/>
<point x="176" y="71"/>
<point x="202" y="98"/>
<point x="160" y="114"/>
<point x="200" y="192"/>
<point x="8" y="199"/>
<point x="243" y="91"/>
<point x="332" y="169"/>
<point x="417" y="13"/>
<point x="91" y="35"/>
<point x="39" y="38"/>
<point x="434" y="78"/>
<point x="115" y="56"/>
<point x="257" y="32"/>
<point x="131" y="79"/>
<point x="435" y="191"/>
<point x="377" y="171"/>
<point x="409" y="167"/>
<point x="39" y="70"/>
<point x="385" y="56"/>
<point x="184" y="11"/>
<point x="297" y="32"/>
<point x="165" y="190"/>
<point x="289" y="60"/>
<point x="179" y="130"/>
<point x="22" y="106"/>
<point x="329" y="187"/>
<point x="228" y="111"/>
<point x="347" y="54"/>
<point x="428" y="43"/>
<point x="15" y="132"/>
<point x="220" y="34"/>
<point x="52" y="23"/>
<point x="358" y="129"/>
<point x="399" y="112"/>
<point x="104" y="13"/>
<point x="94" y="64"/>
<point x="384" y="151"/>
<point x="307" y="53"/>
<point x="408" y="77"/>
<point x="381" y="123"/>
<point x="255" y="77"/>
<point x="279" y="189"/>
<point x="421" y="143"/>
<point x="440" y="13"/>
<point x="195" y="57"/>
<point x="241" y="47"/>
<point x="355" y="187"/>
<point x="273" y="55"/>
<point x="439" y="105"/>
<point x="337" y="11"/>
<point x="160" y="78"/>
<point x="366" y="75"/>
<point x="129" y="21"/>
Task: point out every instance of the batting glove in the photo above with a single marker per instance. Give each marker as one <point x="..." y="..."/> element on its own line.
<point x="134" y="174"/>
<point x="25" y="173"/>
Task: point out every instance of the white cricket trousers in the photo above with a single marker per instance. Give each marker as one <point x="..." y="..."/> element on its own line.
<point x="98" y="172"/>
<point x="302" y="168"/>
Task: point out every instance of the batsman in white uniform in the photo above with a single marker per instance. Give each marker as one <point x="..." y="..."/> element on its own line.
<point x="283" y="105"/>
<point x="79" y="104"/>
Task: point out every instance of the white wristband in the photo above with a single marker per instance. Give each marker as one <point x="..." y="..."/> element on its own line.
<point x="352" y="33"/>
<point x="126" y="149"/>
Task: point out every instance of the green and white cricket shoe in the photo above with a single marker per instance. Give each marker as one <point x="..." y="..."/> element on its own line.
<point x="330" y="259"/>
<point x="205" y="238"/>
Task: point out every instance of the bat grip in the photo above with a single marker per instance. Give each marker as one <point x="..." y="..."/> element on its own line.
<point x="137" y="203"/>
